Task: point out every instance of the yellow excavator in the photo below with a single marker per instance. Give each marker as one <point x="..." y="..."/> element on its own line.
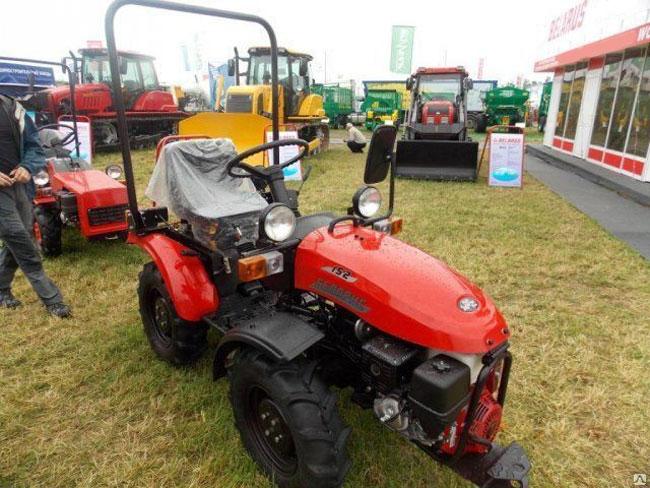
<point x="246" y="117"/>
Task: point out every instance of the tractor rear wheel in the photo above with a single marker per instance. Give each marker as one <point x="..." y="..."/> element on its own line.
<point x="288" y="421"/>
<point x="47" y="230"/>
<point x="173" y="339"/>
<point x="481" y="124"/>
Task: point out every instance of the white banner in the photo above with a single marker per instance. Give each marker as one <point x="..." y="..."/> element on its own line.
<point x="293" y="172"/>
<point x="506" y="160"/>
<point x="85" y="141"/>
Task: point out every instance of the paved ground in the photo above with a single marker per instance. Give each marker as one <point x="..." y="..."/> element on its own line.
<point x="624" y="218"/>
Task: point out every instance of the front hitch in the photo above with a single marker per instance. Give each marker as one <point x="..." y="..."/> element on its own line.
<point x="500" y="467"/>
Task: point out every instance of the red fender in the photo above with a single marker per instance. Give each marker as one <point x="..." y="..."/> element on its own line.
<point x="193" y="293"/>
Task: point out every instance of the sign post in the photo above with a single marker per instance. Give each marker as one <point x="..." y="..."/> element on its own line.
<point x="505" y="156"/>
<point x="401" y="51"/>
<point x="293" y="172"/>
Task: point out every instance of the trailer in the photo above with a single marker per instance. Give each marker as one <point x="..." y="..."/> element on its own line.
<point x="476" y="101"/>
<point x="382" y="106"/>
<point x="504" y="106"/>
<point x="338" y="102"/>
<point x="543" y="105"/>
<point x="397" y="85"/>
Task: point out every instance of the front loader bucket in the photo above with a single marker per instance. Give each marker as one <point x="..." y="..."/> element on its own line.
<point x="437" y="160"/>
<point x="245" y="130"/>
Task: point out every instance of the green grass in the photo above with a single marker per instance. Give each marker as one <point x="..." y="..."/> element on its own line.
<point x="85" y="403"/>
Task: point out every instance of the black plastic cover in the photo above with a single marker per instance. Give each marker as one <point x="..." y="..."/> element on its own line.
<point x="439" y="389"/>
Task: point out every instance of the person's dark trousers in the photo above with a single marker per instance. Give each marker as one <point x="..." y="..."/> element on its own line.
<point x="356" y="147"/>
<point x="19" y="249"/>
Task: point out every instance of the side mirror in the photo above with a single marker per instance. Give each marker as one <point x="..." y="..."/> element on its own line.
<point x="124" y="66"/>
<point x="469" y="84"/>
<point x="304" y="67"/>
<point x="409" y="83"/>
<point x="231" y="67"/>
<point x="380" y="154"/>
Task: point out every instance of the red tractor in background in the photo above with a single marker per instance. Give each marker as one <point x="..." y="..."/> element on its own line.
<point x="69" y="192"/>
<point x="152" y="112"/>
<point x="436" y="144"/>
<point x="306" y="302"/>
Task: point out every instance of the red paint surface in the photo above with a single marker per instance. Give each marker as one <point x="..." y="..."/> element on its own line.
<point x="613" y="160"/>
<point x="597" y="63"/>
<point x="623" y="40"/>
<point x="434" y="111"/>
<point x="155" y="101"/>
<point x="93" y="189"/>
<point x="595" y="154"/>
<point x="634" y="166"/>
<point x="567" y="145"/>
<point x="189" y="286"/>
<point x="406" y="292"/>
<point x="557" y="142"/>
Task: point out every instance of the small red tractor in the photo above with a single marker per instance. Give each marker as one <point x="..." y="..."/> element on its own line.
<point x="69" y="191"/>
<point x="306" y="302"/>
<point x="152" y="112"/>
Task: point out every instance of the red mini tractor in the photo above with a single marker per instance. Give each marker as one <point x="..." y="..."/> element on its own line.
<point x="151" y="111"/>
<point x="69" y="191"/>
<point x="306" y="302"/>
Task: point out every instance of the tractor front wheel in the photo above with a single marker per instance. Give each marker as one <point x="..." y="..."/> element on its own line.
<point x="288" y="421"/>
<point x="173" y="339"/>
<point x="47" y="230"/>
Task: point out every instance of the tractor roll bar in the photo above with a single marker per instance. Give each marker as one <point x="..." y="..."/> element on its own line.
<point x="118" y="98"/>
<point x="72" y="80"/>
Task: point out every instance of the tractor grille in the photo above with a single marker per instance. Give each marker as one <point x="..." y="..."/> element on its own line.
<point x="107" y="215"/>
<point x="239" y="104"/>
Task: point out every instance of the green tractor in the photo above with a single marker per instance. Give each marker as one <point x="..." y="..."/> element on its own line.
<point x="338" y="102"/>
<point x="504" y="106"/>
<point x="381" y="106"/>
<point x="543" y="105"/>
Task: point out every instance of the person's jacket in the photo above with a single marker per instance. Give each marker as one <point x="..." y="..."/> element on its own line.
<point x="32" y="157"/>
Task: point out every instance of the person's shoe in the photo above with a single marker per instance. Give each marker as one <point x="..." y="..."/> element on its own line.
<point x="60" y="310"/>
<point x="8" y="300"/>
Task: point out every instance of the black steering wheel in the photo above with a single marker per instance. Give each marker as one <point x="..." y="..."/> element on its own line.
<point x="262" y="172"/>
<point x="67" y="138"/>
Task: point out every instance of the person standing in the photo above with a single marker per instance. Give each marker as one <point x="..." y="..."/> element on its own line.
<point x="21" y="156"/>
<point x="356" y="141"/>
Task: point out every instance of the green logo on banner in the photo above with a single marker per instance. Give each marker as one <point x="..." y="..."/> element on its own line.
<point x="401" y="50"/>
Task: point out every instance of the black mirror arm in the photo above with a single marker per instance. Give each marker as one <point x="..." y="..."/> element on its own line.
<point x="391" y="196"/>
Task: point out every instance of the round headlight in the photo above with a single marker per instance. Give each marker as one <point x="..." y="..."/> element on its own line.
<point x="277" y="222"/>
<point x="366" y="201"/>
<point x="114" y="171"/>
<point x="41" y="178"/>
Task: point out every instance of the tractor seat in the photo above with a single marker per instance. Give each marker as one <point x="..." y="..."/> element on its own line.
<point x="191" y="180"/>
<point x="309" y="223"/>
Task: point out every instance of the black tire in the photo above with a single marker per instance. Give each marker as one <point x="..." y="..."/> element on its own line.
<point x="288" y="421"/>
<point x="48" y="227"/>
<point x="173" y="339"/>
<point x="481" y="124"/>
<point x="472" y="121"/>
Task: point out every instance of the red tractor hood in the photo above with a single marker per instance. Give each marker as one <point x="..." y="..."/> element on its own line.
<point x="398" y="289"/>
<point x="99" y="188"/>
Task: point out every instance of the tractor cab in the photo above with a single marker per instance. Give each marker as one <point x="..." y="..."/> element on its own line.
<point x="438" y="100"/>
<point x="139" y="81"/>
<point x="293" y="77"/>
